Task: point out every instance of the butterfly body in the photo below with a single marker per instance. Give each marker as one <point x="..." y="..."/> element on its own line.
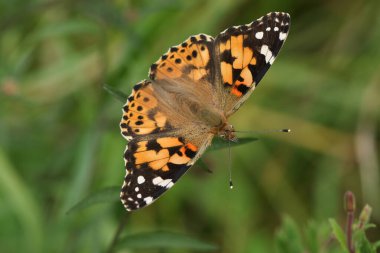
<point x="193" y="89"/>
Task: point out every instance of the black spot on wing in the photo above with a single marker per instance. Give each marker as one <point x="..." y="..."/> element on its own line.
<point x="153" y="145"/>
<point x="227" y="57"/>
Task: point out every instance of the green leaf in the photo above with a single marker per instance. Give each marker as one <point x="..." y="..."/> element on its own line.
<point x="163" y="240"/>
<point x="219" y="143"/>
<point x="288" y="238"/>
<point x="16" y="195"/>
<point x="376" y="245"/>
<point x="106" y="195"/>
<point x="368" y="226"/>
<point x="119" y="95"/>
<point x="67" y="28"/>
<point x="362" y="243"/>
<point x="311" y="234"/>
<point x="339" y="234"/>
<point x="203" y="165"/>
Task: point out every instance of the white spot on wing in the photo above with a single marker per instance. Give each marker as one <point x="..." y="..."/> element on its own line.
<point x="276" y="29"/>
<point x="137" y="189"/>
<point x="148" y="200"/>
<point x="272" y="60"/>
<point x="139" y="195"/>
<point x="268" y="29"/>
<point x="167" y="183"/>
<point x="140" y="179"/>
<point x="259" y="35"/>
<point x="157" y="180"/>
<point x="266" y="51"/>
<point x="282" y="36"/>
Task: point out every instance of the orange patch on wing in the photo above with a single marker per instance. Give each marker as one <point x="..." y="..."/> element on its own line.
<point x="167" y="70"/>
<point x="192" y="147"/>
<point x="205" y="54"/>
<point x="177" y="159"/>
<point x="176" y="60"/>
<point x="145" y="123"/>
<point x="133" y="115"/>
<point x="196" y="59"/>
<point x="197" y="74"/>
<point x="236" y="92"/>
<point x="160" y="119"/>
<point x="141" y="146"/>
<point x="146" y="130"/>
<point x="224" y="46"/>
<point x="146" y="99"/>
<point x="168" y="142"/>
<point x="150" y="155"/>
<point x="135" y="106"/>
<point x="158" y="164"/>
<point x="248" y="54"/>
<point x="237" y="51"/>
<point x="253" y="61"/>
<point x="226" y="71"/>
<point x="247" y="76"/>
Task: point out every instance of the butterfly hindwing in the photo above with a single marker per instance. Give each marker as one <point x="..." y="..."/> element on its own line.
<point x="153" y="166"/>
<point x="246" y="52"/>
<point x="140" y="114"/>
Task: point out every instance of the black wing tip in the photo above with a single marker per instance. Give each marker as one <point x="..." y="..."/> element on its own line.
<point x="278" y="14"/>
<point x="282" y="17"/>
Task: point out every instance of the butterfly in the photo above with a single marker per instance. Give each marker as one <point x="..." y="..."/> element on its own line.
<point x="170" y="119"/>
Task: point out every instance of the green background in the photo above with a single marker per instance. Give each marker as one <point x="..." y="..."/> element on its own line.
<point x="59" y="129"/>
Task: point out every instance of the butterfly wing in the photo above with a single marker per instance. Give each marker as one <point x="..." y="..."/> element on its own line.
<point x="162" y="143"/>
<point x="191" y="59"/>
<point x="154" y="165"/>
<point x="243" y="54"/>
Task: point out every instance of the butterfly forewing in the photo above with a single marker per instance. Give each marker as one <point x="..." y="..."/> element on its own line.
<point x="245" y="53"/>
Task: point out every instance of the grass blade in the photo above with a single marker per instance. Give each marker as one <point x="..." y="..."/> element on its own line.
<point x="18" y="196"/>
<point x="109" y="194"/>
<point x="219" y="143"/>
<point x="288" y="238"/>
<point x="119" y="95"/>
<point x="339" y="234"/>
<point x="163" y="240"/>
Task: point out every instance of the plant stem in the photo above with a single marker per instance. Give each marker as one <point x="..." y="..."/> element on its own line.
<point x="349" y="198"/>
<point x="119" y="229"/>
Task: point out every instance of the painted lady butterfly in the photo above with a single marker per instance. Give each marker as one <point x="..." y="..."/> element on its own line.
<point x="193" y="89"/>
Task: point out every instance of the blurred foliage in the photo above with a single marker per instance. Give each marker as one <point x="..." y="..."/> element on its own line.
<point x="60" y="140"/>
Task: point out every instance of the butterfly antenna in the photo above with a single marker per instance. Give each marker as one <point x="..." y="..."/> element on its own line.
<point x="230" y="164"/>
<point x="286" y="130"/>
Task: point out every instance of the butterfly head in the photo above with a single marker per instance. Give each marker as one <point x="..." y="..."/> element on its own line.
<point x="227" y="132"/>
